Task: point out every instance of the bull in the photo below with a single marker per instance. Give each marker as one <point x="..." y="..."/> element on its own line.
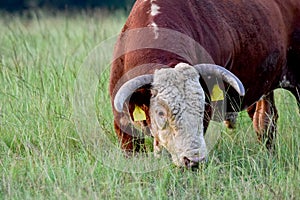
<point x="166" y="52"/>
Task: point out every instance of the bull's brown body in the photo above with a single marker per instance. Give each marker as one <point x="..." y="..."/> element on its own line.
<point x="257" y="40"/>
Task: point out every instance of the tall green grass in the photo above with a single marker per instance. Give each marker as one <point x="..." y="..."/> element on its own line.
<point x="47" y="151"/>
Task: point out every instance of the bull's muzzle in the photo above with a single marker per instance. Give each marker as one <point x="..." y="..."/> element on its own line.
<point x="193" y="163"/>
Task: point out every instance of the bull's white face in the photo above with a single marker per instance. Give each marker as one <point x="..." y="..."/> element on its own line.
<point x="177" y="112"/>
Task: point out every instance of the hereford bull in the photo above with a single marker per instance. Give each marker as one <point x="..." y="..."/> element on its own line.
<point x="160" y="69"/>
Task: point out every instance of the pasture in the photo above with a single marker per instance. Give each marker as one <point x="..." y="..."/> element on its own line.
<point x="56" y="134"/>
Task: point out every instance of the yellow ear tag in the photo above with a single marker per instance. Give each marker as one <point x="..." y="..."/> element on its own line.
<point x="138" y="114"/>
<point x="217" y="93"/>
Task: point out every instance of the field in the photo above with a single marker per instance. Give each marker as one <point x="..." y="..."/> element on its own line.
<point x="56" y="134"/>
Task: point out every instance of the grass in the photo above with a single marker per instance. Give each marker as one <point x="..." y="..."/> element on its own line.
<point x="56" y="135"/>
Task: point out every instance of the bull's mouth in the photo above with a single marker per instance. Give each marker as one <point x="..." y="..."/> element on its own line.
<point x="192" y="162"/>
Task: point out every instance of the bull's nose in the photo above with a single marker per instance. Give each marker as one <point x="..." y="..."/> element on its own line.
<point x="192" y="162"/>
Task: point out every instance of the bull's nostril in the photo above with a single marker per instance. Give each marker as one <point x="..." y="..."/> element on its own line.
<point x="191" y="163"/>
<point x="186" y="161"/>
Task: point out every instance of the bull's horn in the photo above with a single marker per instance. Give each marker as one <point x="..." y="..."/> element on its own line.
<point x="129" y="88"/>
<point x="222" y="73"/>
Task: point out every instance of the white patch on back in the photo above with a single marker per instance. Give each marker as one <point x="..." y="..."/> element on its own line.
<point x="155" y="29"/>
<point x="154" y="9"/>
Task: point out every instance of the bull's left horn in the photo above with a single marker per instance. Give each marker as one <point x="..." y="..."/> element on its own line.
<point x="222" y="73"/>
<point x="129" y="88"/>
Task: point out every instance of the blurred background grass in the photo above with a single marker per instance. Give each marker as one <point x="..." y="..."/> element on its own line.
<point x="19" y="5"/>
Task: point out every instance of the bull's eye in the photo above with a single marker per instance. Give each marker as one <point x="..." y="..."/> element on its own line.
<point x="161" y="119"/>
<point x="161" y="114"/>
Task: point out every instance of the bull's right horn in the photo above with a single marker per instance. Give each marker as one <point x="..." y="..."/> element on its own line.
<point x="222" y="73"/>
<point x="128" y="88"/>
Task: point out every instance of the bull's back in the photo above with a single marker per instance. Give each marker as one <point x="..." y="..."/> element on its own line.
<point x="254" y="33"/>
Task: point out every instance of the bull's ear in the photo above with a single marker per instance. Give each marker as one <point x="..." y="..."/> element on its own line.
<point x="139" y="104"/>
<point x="128" y="88"/>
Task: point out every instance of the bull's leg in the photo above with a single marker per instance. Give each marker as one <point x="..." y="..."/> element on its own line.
<point x="264" y="117"/>
<point x="293" y="63"/>
<point x="128" y="138"/>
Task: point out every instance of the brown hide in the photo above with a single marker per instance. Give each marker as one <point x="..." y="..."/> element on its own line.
<point x="261" y="38"/>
